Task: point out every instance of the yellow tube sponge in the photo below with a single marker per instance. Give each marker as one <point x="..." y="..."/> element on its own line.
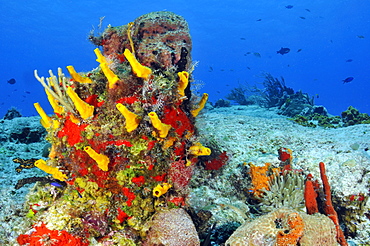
<point x="45" y="119"/>
<point x="132" y="120"/>
<point x="101" y="160"/>
<point x="54" y="103"/>
<point x="112" y="78"/>
<point x="138" y="69"/>
<point x="50" y="170"/>
<point x="78" y="77"/>
<point x="198" y="149"/>
<point x="86" y="110"/>
<point x="201" y="105"/>
<point x="183" y="83"/>
<point x="159" y="190"/>
<point x="161" y="127"/>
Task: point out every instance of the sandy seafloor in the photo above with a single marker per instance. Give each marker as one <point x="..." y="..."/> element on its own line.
<point x="249" y="134"/>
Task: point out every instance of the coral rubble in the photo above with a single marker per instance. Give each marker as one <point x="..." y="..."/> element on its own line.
<point x="123" y="139"/>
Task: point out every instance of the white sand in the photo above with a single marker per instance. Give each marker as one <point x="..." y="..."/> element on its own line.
<point x="254" y="134"/>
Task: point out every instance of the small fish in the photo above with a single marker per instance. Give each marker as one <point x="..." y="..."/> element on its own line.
<point x="242" y="38"/>
<point x="307" y="10"/>
<point x="347" y="80"/>
<point x="256" y="54"/>
<point x="360" y="36"/>
<point x="259" y="20"/>
<point x="283" y="51"/>
<point x="299" y="50"/>
<point x="56" y="184"/>
<point x="248" y="68"/>
<point x="349" y="60"/>
<point x="289" y="6"/>
<point x="12" y="81"/>
<point x="27" y="92"/>
<point x="302" y="17"/>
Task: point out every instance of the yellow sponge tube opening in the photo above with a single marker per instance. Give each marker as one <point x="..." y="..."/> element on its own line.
<point x="78" y="77"/>
<point x="101" y="160"/>
<point x="201" y="105"/>
<point x="138" y="69"/>
<point x="45" y="119"/>
<point x="199" y="150"/>
<point x="86" y="110"/>
<point x="160" y="190"/>
<point x="50" y="170"/>
<point x="132" y="120"/>
<point x="183" y="82"/>
<point x="161" y="127"/>
<point x="111" y="77"/>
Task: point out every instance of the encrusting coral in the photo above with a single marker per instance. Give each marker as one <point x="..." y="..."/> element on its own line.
<point x="123" y="139"/>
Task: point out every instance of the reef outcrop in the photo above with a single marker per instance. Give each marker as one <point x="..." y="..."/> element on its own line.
<point x="124" y="144"/>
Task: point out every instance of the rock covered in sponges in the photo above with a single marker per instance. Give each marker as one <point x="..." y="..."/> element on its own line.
<point x="172" y="228"/>
<point x="121" y="136"/>
<point x="285" y="227"/>
<point x="162" y="40"/>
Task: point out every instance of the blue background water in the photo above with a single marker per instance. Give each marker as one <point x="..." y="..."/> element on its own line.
<point x="46" y="35"/>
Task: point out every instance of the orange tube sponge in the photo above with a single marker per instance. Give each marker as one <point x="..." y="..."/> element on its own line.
<point x="86" y="110"/>
<point x="183" y="83"/>
<point x="161" y="127"/>
<point x="78" y="77"/>
<point x="50" y="170"/>
<point x="132" y="120"/>
<point x="101" y="160"/>
<point x="138" y="69"/>
<point x="112" y="78"/>
<point x="201" y="105"/>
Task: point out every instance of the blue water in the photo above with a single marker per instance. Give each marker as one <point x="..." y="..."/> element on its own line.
<point x="46" y="35"/>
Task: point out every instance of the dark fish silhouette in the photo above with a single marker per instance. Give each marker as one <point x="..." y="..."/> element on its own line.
<point x="283" y="51"/>
<point x="299" y="50"/>
<point x="360" y="36"/>
<point x="12" y="81"/>
<point x="302" y="17"/>
<point x="256" y="54"/>
<point x="289" y="6"/>
<point x="259" y="20"/>
<point x="307" y="10"/>
<point x="349" y="60"/>
<point x="347" y="80"/>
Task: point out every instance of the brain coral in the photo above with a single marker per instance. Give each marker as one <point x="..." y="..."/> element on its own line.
<point x="172" y="228"/>
<point x="285" y="227"/>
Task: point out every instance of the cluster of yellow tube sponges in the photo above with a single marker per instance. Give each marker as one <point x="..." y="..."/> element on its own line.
<point x="132" y="120"/>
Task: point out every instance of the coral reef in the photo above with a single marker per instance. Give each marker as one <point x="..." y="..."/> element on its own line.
<point x="12" y="113"/>
<point x="123" y="139"/>
<point x="352" y="116"/>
